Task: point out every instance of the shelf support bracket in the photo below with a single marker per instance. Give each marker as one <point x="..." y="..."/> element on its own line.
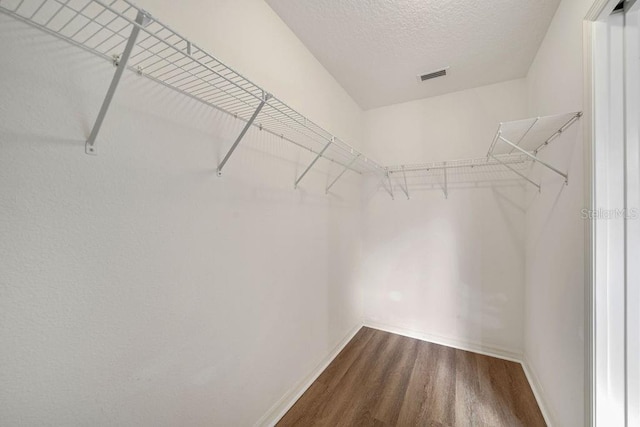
<point x="493" y="142"/>
<point x="265" y="98"/>
<point x="381" y="182"/>
<point x="446" y="187"/>
<point x="537" y="119"/>
<point x="143" y="19"/>
<point x="535" y="159"/>
<point x="523" y="176"/>
<point x="390" y="186"/>
<point x="346" y="168"/>
<point x="331" y="141"/>
<point x="406" y="186"/>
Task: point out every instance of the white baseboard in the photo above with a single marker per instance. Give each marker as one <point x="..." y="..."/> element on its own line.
<point x="285" y="403"/>
<point x="493" y="351"/>
<point x="537" y="391"/>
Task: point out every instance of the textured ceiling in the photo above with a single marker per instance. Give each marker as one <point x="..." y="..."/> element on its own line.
<point x="375" y="48"/>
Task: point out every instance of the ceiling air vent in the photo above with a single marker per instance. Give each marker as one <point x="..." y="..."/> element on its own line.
<point x="432" y="75"/>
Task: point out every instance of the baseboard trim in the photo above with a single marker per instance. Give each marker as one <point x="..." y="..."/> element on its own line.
<point x="538" y="391"/>
<point x="493" y="351"/>
<point x="280" y="408"/>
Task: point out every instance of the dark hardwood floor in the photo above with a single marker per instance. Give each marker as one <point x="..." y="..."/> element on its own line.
<point x="383" y="379"/>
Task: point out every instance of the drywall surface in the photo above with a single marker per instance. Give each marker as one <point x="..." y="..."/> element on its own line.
<point x="137" y="287"/>
<point x="448" y="270"/>
<point x="458" y="125"/>
<point x="554" y="325"/>
<point x="248" y="36"/>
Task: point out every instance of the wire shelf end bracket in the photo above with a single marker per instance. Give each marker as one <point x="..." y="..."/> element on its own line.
<point x="265" y="98"/>
<point x="142" y="20"/>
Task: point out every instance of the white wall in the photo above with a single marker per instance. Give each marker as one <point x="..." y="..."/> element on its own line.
<point x="249" y="36"/>
<point x="449" y="270"/>
<point x="458" y="125"/>
<point x="136" y="287"/>
<point x="554" y="325"/>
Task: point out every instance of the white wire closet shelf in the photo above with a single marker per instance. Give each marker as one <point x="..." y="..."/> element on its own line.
<point x="444" y="175"/>
<point x="126" y="35"/>
<point x="513" y="149"/>
<point x="130" y="38"/>
<point x="529" y="136"/>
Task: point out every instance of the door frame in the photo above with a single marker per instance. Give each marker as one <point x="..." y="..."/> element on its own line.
<point x="606" y="335"/>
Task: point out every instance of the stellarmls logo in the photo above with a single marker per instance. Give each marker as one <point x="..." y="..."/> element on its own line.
<point x="606" y="214"/>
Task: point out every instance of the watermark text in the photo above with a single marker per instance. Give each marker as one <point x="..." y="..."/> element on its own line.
<point x="607" y="214"/>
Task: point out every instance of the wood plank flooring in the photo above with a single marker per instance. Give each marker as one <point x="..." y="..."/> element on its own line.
<point x="383" y="379"/>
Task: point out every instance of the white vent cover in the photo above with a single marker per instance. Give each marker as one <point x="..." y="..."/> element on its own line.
<point x="432" y="75"/>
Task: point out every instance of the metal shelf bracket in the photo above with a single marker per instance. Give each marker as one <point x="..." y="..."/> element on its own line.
<point x="381" y="183"/>
<point x="390" y="186"/>
<point x="346" y="168"/>
<point x="265" y="97"/>
<point x="331" y="141"/>
<point x="536" y="159"/>
<point x="405" y="189"/>
<point x="446" y="189"/>
<point x="142" y="20"/>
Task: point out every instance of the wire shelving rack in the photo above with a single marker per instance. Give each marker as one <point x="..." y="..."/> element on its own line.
<point x="131" y="38"/>
<point x="515" y="146"/>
